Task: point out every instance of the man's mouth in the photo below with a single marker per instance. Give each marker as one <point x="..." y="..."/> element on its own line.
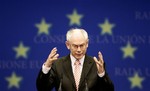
<point x="78" y="54"/>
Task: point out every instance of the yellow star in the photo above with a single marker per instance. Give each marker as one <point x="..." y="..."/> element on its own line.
<point x="106" y="27"/>
<point x="43" y="27"/>
<point x="21" y="50"/>
<point x="128" y="50"/>
<point x="13" y="80"/>
<point x="136" y="81"/>
<point x="75" y="18"/>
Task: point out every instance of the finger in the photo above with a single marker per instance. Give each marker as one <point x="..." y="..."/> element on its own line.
<point x="53" y="52"/>
<point x="100" y="57"/>
<point x="96" y="61"/>
<point x="56" y="56"/>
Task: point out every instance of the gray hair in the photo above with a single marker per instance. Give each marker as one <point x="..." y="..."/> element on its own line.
<point x="71" y="31"/>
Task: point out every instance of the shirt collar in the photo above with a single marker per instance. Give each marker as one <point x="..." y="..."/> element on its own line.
<point x="73" y="59"/>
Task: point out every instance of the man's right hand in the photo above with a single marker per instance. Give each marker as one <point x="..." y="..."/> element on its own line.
<point x="52" y="57"/>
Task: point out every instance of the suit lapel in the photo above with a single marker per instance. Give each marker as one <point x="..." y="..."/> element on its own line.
<point x="68" y="69"/>
<point x="86" y="67"/>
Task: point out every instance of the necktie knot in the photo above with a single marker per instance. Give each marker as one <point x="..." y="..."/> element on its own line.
<point x="77" y="62"/>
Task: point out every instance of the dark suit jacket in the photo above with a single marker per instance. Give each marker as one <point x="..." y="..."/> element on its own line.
<point x="61" y="71"/>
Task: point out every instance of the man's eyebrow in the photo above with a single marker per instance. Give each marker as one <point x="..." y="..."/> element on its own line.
<point x="80" y="44"/>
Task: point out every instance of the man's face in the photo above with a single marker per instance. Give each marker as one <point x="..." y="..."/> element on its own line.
<point x="78" y="46"/>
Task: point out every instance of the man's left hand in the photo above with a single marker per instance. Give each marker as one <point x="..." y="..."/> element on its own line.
<point x="99" y="63"/>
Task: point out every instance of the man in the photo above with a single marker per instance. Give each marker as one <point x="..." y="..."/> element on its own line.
<point x="76" y="71"/>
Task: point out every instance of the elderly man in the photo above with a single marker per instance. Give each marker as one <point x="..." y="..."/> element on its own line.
<point x="76" y="71"/>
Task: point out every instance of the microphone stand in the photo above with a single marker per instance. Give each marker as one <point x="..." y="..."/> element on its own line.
<point x="86" y="86"/>
<point x="60" y="89"/>
<point x="61" y="79"/>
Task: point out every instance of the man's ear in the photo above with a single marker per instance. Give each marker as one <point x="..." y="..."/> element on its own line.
<point x="87" y="42"/>
<point x="67" y="45"/>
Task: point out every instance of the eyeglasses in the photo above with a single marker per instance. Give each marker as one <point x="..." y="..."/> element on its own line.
<point x="74" y="46"/>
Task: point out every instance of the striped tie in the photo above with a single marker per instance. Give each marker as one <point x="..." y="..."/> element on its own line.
<point x="77" y="73"/>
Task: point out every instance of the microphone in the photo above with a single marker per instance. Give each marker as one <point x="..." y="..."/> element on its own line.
<point x="60" y="89"/>
<point x="86" y="86"/>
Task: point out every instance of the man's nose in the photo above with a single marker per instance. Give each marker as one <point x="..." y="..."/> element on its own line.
<point x="78" y="49"/>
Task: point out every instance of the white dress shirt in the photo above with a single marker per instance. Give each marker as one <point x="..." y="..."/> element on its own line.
<point x="73" y="62"/>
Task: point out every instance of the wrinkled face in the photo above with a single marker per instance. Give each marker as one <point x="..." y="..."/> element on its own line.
<point x="77" y="45"/>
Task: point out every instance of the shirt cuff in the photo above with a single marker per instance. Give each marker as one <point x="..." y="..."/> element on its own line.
<point x="45" y="69"/>
<point x="102" y="74"/>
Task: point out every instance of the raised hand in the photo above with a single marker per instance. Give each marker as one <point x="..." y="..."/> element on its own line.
<point x="99" y="63"/>
<point x="52" y="57"/>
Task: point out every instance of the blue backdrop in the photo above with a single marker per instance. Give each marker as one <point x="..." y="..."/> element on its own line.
<point x="119" y="29"/>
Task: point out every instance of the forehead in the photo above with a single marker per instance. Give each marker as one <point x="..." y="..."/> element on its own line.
<point x="77" y="41"/>
<point x="77" y="37"/>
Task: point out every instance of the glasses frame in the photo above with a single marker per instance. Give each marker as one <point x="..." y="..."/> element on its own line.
<point x="81" y="46"/>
